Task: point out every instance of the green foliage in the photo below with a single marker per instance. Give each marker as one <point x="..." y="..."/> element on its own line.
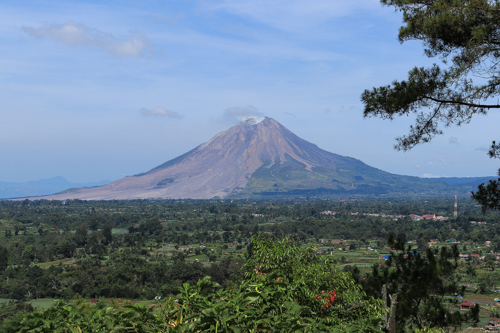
<point x="11" y="314"/>
<point x="4" y="258"/>
<point x="81" y="318"/>
<point x="422" y="282"/>
<point x="430" y="330"/>
<point x="203" y="307"/>
<point x="261" y="303"/>
<point x="133" y="266"/>
<point x="309" y="277"/>
<point x="285" y="296"/>
<point x="488" y="196"/>
<point x="464" y="32"/>
<point x="81" y="234"/>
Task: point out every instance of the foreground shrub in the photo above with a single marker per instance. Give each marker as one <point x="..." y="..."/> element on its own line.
<point x="287" y="289"/>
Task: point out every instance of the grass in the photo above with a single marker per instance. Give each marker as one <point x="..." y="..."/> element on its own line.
<point x="67" y="261"/>
<point x="119" y="231"/>
<point x="42" y="303"/>
<point x="200" y="256"/>
<point x="480" y="297"/>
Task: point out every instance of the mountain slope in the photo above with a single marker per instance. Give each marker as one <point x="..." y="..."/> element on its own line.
<point x="252" y="159"/>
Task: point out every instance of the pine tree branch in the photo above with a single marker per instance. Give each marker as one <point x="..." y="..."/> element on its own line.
<point x="491" y="106"/>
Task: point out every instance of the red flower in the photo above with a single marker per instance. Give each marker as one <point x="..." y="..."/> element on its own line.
<point x="329" y="298"/>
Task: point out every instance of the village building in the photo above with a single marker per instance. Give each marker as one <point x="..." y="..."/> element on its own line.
<point x="493" y="324"/>
<point x="465" y="306"/>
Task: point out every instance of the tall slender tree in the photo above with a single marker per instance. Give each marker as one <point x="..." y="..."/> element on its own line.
<point x="465" y="35"/>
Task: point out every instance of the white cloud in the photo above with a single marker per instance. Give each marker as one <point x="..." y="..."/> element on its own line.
<point x="343" y="108"/>
<point x="74" y="34"/>
<point x="428" y="175"/>
<point x="243" y="113"/>
<point x="443" y="160"/>
<point x="161" y="112"/>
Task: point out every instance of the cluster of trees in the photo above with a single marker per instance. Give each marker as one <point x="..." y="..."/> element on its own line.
<point x="285" y="288"/>
<point x="363" y="228"/>
<point x="125" y="274"/>
<point x="123" y="214"/>
<point x="424" y="282"/>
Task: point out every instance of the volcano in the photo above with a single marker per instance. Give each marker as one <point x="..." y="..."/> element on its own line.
<point x="254" y="159"/>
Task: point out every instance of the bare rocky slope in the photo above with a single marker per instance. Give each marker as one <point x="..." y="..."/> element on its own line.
<point x="253" y="158"/>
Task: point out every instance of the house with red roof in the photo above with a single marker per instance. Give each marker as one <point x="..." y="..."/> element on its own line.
<point x="465" y="306"/>
<point x="493" y="323"/>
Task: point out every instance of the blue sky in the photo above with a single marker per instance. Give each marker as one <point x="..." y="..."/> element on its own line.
<point x="92" y="91"/>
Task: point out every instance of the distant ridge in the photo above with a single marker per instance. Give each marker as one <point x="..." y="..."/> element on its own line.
<point x="47" y="186"/>
<point x="258" y="159"/>
<point x="466" y="181"/>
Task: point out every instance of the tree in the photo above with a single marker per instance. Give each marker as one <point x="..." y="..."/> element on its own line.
<point x="422" y="244"/>
<point x="225" y="236"/>
<point x="4" y="258"/>
<point x="11" y="314"/>
<point x="466" y="36"/>
<point x="422" y="281"/>
<point x="488" y="196"/>
<point x="29" y="252"/>
<point x="107" y="233"/>
<point x="66" y="248"/>
<point x="81" y="234"/>
<point x="309" y="278"/>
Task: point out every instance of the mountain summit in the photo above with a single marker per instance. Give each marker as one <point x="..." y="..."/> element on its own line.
<point x="252" y="158"/>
